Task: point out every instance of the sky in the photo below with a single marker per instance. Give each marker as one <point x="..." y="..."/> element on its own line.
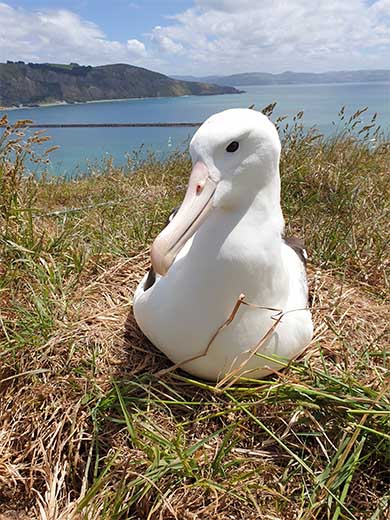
<point x="200" y="37"/>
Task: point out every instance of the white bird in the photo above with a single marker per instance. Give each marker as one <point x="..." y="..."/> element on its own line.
<point x="225" y="241"/>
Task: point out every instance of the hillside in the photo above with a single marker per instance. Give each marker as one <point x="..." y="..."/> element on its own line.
<point x="291" y="78"/>
<point x="31" y="84"/>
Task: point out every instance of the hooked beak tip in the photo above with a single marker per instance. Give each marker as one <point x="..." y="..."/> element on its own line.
<point x="195" y="208"/>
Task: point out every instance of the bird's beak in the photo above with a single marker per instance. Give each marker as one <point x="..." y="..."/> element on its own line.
<point x="195" y="207"/>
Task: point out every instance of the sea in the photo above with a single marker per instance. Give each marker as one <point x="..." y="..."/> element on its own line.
<point x="81" y="150"/>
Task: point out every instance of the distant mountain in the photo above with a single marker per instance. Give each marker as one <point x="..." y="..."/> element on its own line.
<point x="40" y="83"/>
<point x="291" y="78"/>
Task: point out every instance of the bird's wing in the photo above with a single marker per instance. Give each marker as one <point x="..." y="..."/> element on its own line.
<point x="298" y="246"/>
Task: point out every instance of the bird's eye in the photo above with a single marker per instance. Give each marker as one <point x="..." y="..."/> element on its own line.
<point x="233" y="146"/>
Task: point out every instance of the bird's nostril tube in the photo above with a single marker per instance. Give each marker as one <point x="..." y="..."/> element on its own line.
<point x="199" y="187"/>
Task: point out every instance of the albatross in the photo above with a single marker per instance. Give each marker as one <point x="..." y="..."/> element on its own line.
<point x="226" y="292"/>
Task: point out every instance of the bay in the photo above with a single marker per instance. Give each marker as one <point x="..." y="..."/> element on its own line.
<point x="82" y="149"/>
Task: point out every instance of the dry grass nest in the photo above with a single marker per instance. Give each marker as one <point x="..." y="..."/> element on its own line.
<point x="65" y="415"/>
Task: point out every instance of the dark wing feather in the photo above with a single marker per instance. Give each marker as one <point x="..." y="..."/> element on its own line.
<point x="299" y="247"/>
<point x="149" y="282"/>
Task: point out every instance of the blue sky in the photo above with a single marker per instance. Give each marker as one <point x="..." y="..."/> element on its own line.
<point x="200" y="37"/>
<point x="118" y="18"/>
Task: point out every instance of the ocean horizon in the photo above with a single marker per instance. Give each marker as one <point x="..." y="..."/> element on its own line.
<point x="82" y="149"/>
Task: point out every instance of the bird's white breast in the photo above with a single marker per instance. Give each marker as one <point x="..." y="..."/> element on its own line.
<point x="181" y="311"/>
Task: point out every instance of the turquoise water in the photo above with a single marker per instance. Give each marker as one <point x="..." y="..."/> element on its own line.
<point x="80" y="147"/>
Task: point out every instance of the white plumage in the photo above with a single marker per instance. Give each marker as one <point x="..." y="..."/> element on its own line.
<point x="226" y="240"/>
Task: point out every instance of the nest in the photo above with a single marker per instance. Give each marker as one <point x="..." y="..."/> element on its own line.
<point x="47" y="407"/>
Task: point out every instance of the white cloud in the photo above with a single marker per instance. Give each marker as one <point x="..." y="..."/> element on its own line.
<point x="229" y="6"/>
<point x="164" y="43"/>
<point x="224" y="36"/>
<point x="61" y="36"/>
<point x="214" y="37"/>
<point x="136" y="47"/>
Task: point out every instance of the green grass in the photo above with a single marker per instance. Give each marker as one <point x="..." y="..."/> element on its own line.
<point x="89" y="428"/>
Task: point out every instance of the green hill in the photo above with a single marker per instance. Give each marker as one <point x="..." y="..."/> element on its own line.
<point x="40" y="83"/>
<point x="295" y="78"/>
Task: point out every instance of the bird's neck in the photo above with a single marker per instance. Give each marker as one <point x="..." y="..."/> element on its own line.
<point x="265" y="211"/>
<point x="243" y="247"/>
<point x="254" y="232"/>
<point x="258" y="216"/>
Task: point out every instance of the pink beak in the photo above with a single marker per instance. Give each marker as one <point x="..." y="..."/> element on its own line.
<point x="194" y="209"/>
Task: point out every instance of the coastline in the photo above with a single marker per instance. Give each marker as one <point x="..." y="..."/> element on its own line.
<point x="240" y="89"/>
<point x="37" y="105"/>
<point x="66" y="103"/>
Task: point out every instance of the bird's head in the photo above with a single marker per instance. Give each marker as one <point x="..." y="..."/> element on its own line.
<point x="235" y="156"/>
